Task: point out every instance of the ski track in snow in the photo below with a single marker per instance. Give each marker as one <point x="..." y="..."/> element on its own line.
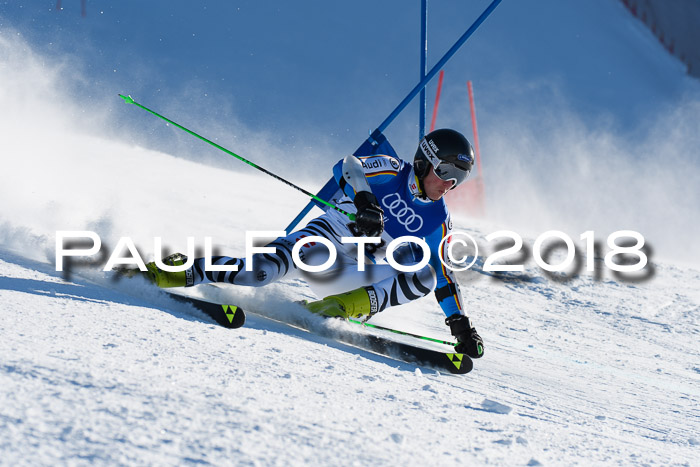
<point x="602" y="371"/>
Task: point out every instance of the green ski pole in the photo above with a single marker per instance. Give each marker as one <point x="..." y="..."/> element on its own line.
<point x="130" y="100"/>
<point x="374" y="326"/>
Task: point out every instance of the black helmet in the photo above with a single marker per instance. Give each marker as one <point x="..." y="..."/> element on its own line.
<point x="446" y="151"/>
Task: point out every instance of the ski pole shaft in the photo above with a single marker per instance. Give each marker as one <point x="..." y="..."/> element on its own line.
<point x="130" y="100"/>
<point x="395" y="331"/>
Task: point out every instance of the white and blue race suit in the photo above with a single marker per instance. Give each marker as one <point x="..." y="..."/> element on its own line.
<point x="406" y="213"/>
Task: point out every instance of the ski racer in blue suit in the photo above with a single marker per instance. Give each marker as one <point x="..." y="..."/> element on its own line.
<point x="391" y="199"/>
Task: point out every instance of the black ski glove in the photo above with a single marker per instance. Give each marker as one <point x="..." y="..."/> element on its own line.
<point x="369" y="219"/>
<point x="469" y="341"/>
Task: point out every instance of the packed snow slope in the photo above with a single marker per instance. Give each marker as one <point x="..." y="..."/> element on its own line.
<point x="591" y="370"/>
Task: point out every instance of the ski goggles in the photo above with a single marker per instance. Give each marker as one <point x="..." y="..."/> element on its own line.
<point x="447" y="171"/>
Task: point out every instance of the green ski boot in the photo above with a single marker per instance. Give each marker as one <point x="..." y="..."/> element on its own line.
<point x="353" y="304"/>
<point x="165" y="279"/>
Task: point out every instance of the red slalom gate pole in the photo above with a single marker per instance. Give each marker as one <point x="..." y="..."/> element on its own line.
<point x="437" y="100"/>
<point x="474" y="129"/>
<point x="479" y="174"/>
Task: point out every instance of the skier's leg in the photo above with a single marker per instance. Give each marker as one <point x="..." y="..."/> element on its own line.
<point x="265" y="268"/>
<point x="367" y="300"/>
<point x="404" y="287"/>
<point x="388" y="288"/>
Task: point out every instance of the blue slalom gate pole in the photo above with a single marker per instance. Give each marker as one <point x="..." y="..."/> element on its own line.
<point x="423" y="64"/>
<point x="377" y="134"/>
<point x="448" y="55"/>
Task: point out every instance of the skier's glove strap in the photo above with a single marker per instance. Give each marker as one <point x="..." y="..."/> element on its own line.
<point x="468" y="340"/>
<point x="369" y="219"/>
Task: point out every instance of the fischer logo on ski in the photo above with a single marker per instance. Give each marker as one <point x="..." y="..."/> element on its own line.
<point x="456" y="359"/>
<point x="230" y="311"/>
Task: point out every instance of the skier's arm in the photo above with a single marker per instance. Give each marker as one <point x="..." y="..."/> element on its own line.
<point x="377" y="169"/>
<point x="350" y="176"/>
<point x="447" y="290"/>
<point x="449" y="297"/>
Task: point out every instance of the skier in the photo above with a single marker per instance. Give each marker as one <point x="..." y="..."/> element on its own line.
<point x="391" y="198"/>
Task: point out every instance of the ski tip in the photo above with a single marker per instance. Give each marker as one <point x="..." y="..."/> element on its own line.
<point x="127" y="99"/>
<point x="234" y="315"/>
<point x="459" y="364"/>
